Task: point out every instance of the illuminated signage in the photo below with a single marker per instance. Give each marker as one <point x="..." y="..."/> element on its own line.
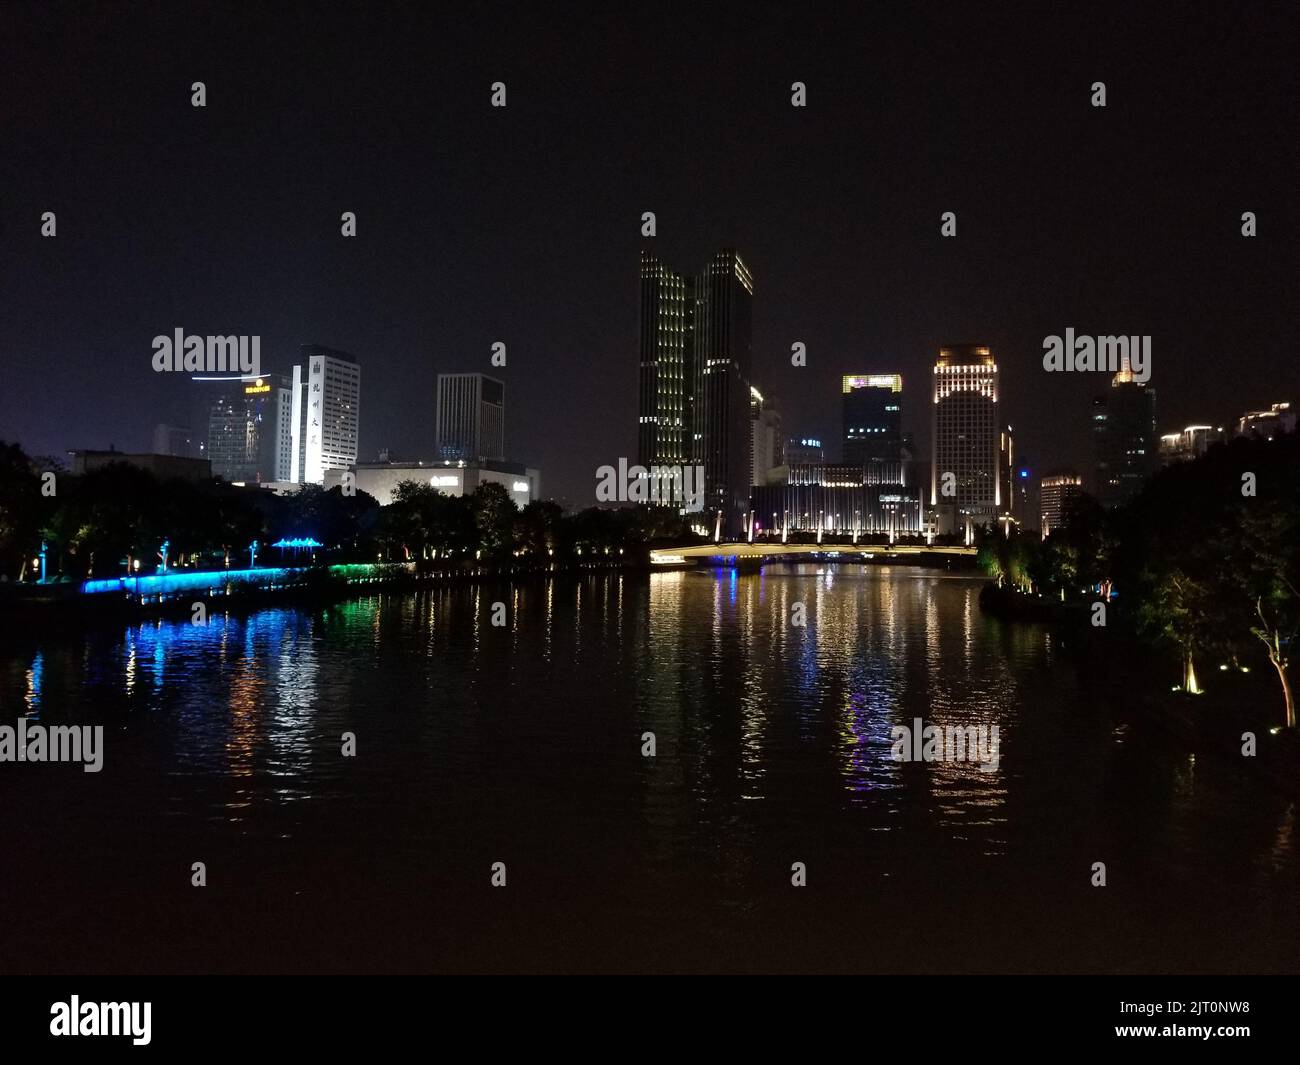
<point x="450" y="481"/>
<point x="520" y="486"/>
<point x="257" y="387"/>
<point x="891" y="381"/>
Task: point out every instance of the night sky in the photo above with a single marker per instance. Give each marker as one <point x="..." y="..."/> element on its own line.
<point x="523" y="225"/>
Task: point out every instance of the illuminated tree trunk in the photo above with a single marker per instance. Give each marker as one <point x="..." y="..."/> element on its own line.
<point x="1287" y="694"/>
<point x="1272" y="640"/>
<point x="1189" y="676"/>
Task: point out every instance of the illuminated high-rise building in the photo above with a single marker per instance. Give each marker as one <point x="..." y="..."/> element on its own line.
<point x="694" y="378"/>
<point x="326" y="413"/>
<point x="470" y="418"/>
<point x="1056" y="492"/>
<point x="965" y="472"/>
<point x="664" y="435"/>
<point x="873" y="420"/>
<point x="250" y="431"/>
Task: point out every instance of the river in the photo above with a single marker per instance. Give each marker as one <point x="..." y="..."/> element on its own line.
<point x="523" y="744"/>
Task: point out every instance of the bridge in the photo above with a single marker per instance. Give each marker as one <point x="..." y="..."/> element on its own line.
<point x="749" y="556"/>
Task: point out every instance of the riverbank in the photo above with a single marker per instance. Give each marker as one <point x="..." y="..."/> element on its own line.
<point x="1235" y="718"/>
<point x="180" y="592"/>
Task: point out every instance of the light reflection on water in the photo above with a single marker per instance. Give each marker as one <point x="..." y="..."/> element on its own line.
<point x="773" y="743"/>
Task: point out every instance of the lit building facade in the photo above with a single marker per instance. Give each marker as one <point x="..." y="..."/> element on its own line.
<point x="1019" y="493"/>
<point x="471" y="418"/>
<point x="804" y="451"/>
<point x="965" y="439"/>
<point x="667" y="368"/>
<point x="250" y="431"/>
<point x="878" y="500"/>
<point x="1267" y="424"/>
<point x="1191" y="443"/>
<point x="325" y="413"/>
<point x="380" y="479"/>
<point x="724" y="296"/>
<point x="694" y="378"/>
<point x="1056" y="491"/>
<point x="873" y="420"/>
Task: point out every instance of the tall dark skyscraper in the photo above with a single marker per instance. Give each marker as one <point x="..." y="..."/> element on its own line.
<point x="873" y="420"/>
<point x="695" y="370"/>
<point x="470" y="417"/>
<point x="1124" y="439"/>
<point x="723" y="361"/>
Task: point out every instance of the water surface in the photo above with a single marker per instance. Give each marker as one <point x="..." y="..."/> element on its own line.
<point x="478" y="744"/>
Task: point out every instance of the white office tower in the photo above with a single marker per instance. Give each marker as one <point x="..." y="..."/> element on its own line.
<point x="326" y="412"/>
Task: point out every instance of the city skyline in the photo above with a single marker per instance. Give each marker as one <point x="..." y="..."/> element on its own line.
<point x="850" y="263"/>
<point x="1164" y="447"/>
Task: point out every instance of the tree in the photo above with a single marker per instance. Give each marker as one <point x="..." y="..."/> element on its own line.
<point x="1270" y="540"/>
<point x="494" y="517"/>
<point x="20" y="509"/>
<point x="1179" y="610"/>
<point x="537" y="527"/>
<point x="338" y="521"/>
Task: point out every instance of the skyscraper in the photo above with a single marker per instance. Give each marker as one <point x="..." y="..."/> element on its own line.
<point x="694" y="377"/>
<point x="667" y="379"/>
<point x="1124" y="438"/>
<point x="1007" y="477"/>
<point x="250" y="431"/>
<point x="872" y="418"/>
<point x="325" y="413"/>
<point x="471" y="421"/>
<point x="723" y="361"/>
<point x="964" y="474"/>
